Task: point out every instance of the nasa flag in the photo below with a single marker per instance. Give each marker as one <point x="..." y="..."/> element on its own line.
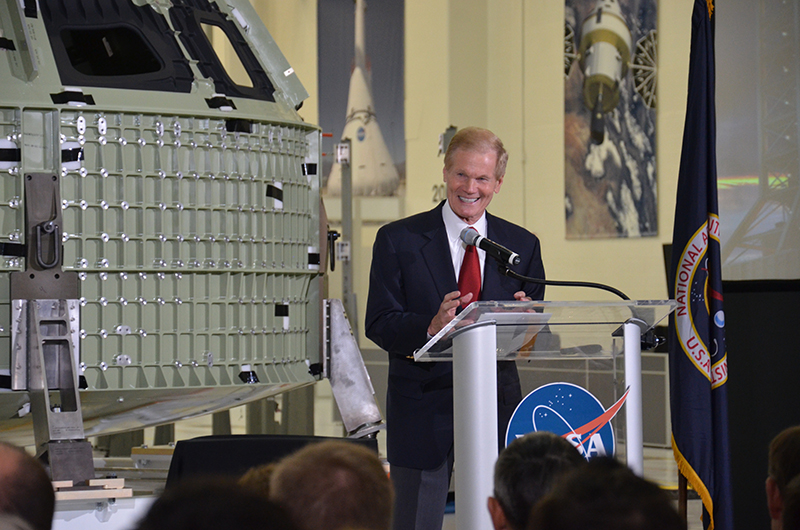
<point x="698" y="357"/>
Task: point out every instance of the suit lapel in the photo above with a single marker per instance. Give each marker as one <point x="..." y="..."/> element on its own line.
<point x="436" y="253"/>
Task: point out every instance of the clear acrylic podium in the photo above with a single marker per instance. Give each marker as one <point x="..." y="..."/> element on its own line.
<point x="489" y="331"/>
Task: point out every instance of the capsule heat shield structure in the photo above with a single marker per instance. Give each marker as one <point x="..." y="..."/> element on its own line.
<point x="189" y="206"/>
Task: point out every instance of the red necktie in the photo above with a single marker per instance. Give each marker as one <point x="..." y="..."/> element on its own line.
<point x="469" y="278"/>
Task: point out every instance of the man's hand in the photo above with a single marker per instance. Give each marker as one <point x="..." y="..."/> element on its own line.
<point x="447" y="311"/>
<point x="521" y="296"/>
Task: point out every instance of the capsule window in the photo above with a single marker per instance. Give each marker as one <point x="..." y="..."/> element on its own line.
<point x="109" y="52"/>
<point x="226" y="53"/>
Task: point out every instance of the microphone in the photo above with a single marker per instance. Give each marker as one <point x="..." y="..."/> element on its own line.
<point x="470" y="236"/>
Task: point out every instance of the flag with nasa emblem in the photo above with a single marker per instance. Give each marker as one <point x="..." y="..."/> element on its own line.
<point x="698" y="357"/>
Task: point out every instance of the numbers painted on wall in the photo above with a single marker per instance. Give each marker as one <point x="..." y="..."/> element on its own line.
<point x="439" y="193"/>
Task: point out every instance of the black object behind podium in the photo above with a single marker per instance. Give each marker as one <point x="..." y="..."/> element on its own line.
<point x="233" y="455"/>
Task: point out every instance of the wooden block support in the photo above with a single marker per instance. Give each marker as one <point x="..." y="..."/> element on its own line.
<point x="98" y="490"/>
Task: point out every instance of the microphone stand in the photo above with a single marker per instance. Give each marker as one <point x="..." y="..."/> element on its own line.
<point x="506" y="271"/>
<point x="649" y="338"/>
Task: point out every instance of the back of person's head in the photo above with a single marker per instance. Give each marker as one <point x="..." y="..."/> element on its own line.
<point x="784" y="456"/>
<point x="13" y="522"/>
<point x="334" y="484"/>
<point x="790" y="515"/>
<point x="213" y="504"/>
<point x="525" y="471"/>
<point x="481" y="140"/>
<point x="257" y="478"/>
<point x="605" y="495"/>
<point x="25" y="488"/>
<point x="783" y="465"/>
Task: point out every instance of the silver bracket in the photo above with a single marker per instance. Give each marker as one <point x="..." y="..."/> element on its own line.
<point x="45" y="338"/>
<point x="350" y="382"/>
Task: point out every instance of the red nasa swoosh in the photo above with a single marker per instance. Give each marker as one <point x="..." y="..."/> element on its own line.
<point x="600" y="421"/>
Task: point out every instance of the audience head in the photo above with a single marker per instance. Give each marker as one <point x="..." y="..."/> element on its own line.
<point x="790" y="516"/>
<point x="605" y="495"/>
<point x="525" y="471"/>
<point x="213" y="504"/>
<point x="25" y="488"/>
<point x="783" y="466"/>
<point x="13" y="522"/>
<point x="257" y="479"/>
<point x="334" y="484"/>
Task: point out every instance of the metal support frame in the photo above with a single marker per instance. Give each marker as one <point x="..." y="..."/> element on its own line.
<point x="344" y="150"/>
<point x="45" y="336"/>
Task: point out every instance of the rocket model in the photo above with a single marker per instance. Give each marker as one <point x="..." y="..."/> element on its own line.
<point x="373" y="171"/>
<point x="605" y="51"/>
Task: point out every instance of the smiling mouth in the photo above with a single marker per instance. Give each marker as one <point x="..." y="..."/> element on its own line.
<point x="468" y="200"/>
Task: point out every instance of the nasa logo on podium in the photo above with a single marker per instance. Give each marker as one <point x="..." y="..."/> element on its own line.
<point x="569" y="411"/>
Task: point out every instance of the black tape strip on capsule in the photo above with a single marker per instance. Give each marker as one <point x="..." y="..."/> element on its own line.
<point x="274" y="192"/>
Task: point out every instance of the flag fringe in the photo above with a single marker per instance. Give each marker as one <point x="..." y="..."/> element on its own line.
<point x="685" y="469"/>
<point x="710" y="4"/>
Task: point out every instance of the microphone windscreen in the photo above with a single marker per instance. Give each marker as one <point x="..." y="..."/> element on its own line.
<point x="469" y="236"/>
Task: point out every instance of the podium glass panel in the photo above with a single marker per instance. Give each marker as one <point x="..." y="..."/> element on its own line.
<point x="549" y="330"/>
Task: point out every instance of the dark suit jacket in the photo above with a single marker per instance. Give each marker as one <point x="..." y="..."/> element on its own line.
<point x="411" y="273"/>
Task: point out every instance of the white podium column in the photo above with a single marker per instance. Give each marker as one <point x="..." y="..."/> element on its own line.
<point x="634" y="437"/>
<point x="475" y="423"/>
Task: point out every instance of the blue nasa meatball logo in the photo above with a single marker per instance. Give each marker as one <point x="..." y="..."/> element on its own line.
<point x="569" y="411"/>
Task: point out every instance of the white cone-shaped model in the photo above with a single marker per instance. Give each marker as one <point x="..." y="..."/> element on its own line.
<point x="373" y="171"/>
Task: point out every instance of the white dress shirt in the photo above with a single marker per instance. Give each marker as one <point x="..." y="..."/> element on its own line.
<point x="454" y="225"/>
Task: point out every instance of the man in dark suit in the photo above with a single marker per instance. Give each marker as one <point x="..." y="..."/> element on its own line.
<point x="413" y="294"/>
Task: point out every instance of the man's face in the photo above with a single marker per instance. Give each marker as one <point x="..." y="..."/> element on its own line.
<point x="471" y="183"/>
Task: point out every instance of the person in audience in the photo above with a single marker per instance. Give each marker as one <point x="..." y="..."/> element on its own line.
<point x="605" y="495"/>
<point x="334" y="485"/>
<point x="524" y="472"/>
<point x="213" y="504"/>
<point x="257" y="478"/>
<point x="13" y="522"/>
<point x="25" y="488"/>
<point x="783" y="466"/>
<point x="790" y="515"/>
